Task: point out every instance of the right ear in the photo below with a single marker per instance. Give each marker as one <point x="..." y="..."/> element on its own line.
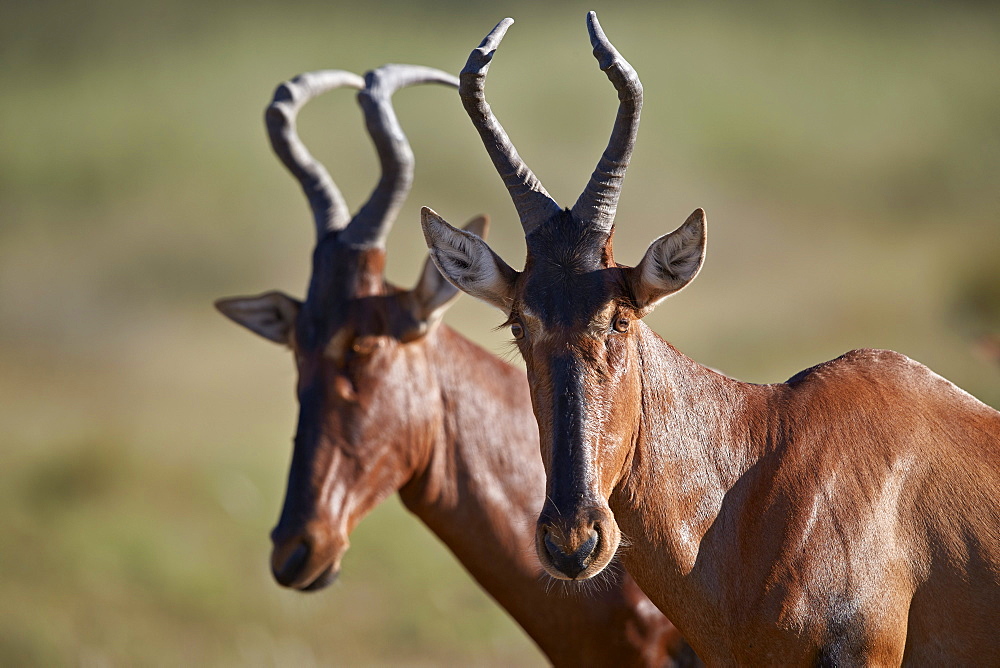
<point x="670" y="263"/>
<point x="271" y="315"/>
<point x="467" y="262"/>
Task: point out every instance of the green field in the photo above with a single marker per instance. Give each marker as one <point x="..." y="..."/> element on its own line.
<point x="847" y="154"/>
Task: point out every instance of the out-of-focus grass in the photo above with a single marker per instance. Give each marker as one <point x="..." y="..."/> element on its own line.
<point x="848" y="155"/>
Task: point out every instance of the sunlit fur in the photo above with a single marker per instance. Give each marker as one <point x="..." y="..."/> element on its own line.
<point x="850" y="516"/>
<point x="449" y="427"/>
<point x="847" y="516"/>
<point x="391" y="400"/>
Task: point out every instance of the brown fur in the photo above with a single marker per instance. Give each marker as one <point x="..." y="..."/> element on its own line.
<point x="848" y="516"/>
<point x="449" y="426"/>
<point x="390" y="400"/>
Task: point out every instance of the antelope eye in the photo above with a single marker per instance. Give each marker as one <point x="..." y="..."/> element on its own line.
<point x="517" y="330"/>
<point x="622" y="324"/>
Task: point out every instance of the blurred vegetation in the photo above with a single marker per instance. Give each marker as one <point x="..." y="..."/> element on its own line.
<point x="848" y="155"/>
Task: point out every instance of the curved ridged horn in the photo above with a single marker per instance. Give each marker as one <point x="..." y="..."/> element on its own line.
<point x="599" y="200"/>
<point x="371" y="224"/>
<point x="534" y="205"/>
<point x="329" y="210"/>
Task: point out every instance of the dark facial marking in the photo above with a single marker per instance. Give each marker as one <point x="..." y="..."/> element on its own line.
<point x="568" y="277"/>
<point x="569" y="461"/>
<point x="307" y="439"/>
<point x="340" y="273"/>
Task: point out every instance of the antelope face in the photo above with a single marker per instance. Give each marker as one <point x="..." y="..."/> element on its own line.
<point x="567" y="322"/>
<point x="352" y="445"/>
<point x="573" y="312"/>
<point x="366" y="390"/>
<point x="575" y="316"/>
<point x="361" y="435"/>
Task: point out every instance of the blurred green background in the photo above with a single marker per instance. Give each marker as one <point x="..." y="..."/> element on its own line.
<point x="847" y="153"/>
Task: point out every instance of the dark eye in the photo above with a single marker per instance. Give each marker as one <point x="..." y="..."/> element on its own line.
<point x="621" y="324"/>
<point x="517" y="330"/>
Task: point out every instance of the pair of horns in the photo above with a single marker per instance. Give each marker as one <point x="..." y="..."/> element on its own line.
<point x="599" y="201"/>
<point x="370" y="226"/>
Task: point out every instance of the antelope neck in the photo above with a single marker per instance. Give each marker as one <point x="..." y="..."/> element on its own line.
<point x="475" y="390"/>
<point x="480" y="491"/>
<point x="707" y="434"/>
<point x="710" y="426"/>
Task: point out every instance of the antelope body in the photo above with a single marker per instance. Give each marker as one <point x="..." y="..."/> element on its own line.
<point x="849" y="516"/>
<point x="392" y="400"/>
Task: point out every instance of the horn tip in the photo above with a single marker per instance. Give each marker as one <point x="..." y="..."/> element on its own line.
<point x="594" y="25"/>
<point x="604" y="50"/>
<point x="499" y="30"/>
<point x="479" y="60"/>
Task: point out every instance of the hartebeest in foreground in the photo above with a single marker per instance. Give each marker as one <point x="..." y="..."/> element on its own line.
<point x="849" y="516"/>
<point x="392" y="401"/>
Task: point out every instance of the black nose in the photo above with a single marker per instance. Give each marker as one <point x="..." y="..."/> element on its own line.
<point x="287" y="571"/>
<point x="573" y="564"/>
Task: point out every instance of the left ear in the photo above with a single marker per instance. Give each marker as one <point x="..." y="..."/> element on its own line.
<point x="468" y="262"/>
<point x="670" y="262"/>
<point x="433" y="294"/>
<point x="271" y="314"/>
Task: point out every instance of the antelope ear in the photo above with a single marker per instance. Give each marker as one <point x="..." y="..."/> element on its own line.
<point x="670" y="262"/>
<point x="433" y="294"/>
<point x="271" y="314"/>
<point x="467" y="262"/>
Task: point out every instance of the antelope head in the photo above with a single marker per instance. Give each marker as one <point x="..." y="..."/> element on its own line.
<point x="356" y="338"/>
<point x="573" y="311"/>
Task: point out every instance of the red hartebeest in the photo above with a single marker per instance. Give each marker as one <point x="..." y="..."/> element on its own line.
<point x="392" y="401"/>
<point x="848" y="516"/>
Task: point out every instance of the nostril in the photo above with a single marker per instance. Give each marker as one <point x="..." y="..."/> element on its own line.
<point x="571" y="564"/>
<point x="554" y="550"/>
<point x="589" y="546"/>
<point x="285" y="573"/>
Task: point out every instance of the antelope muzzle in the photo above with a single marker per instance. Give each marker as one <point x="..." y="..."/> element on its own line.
<point x="308" y="559"/>
<point x="576" y="546"/>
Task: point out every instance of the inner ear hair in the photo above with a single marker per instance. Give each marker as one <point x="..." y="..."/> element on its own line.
<point x="671" y="262"/>
<point x="468" y="262"/>
<point x="271" y="315"/>
<point x="433" y="293"/>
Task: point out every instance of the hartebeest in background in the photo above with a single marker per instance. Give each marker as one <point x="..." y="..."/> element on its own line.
<point x="848" y="516"/>
<point x="391" y="400"/>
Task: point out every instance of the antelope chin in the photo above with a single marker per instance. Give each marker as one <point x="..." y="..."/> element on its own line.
<point x="319" y="576"/>
<point x="590" y="571"/>
<point x="307" y="564"/>
<point x="322" y="581"/>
